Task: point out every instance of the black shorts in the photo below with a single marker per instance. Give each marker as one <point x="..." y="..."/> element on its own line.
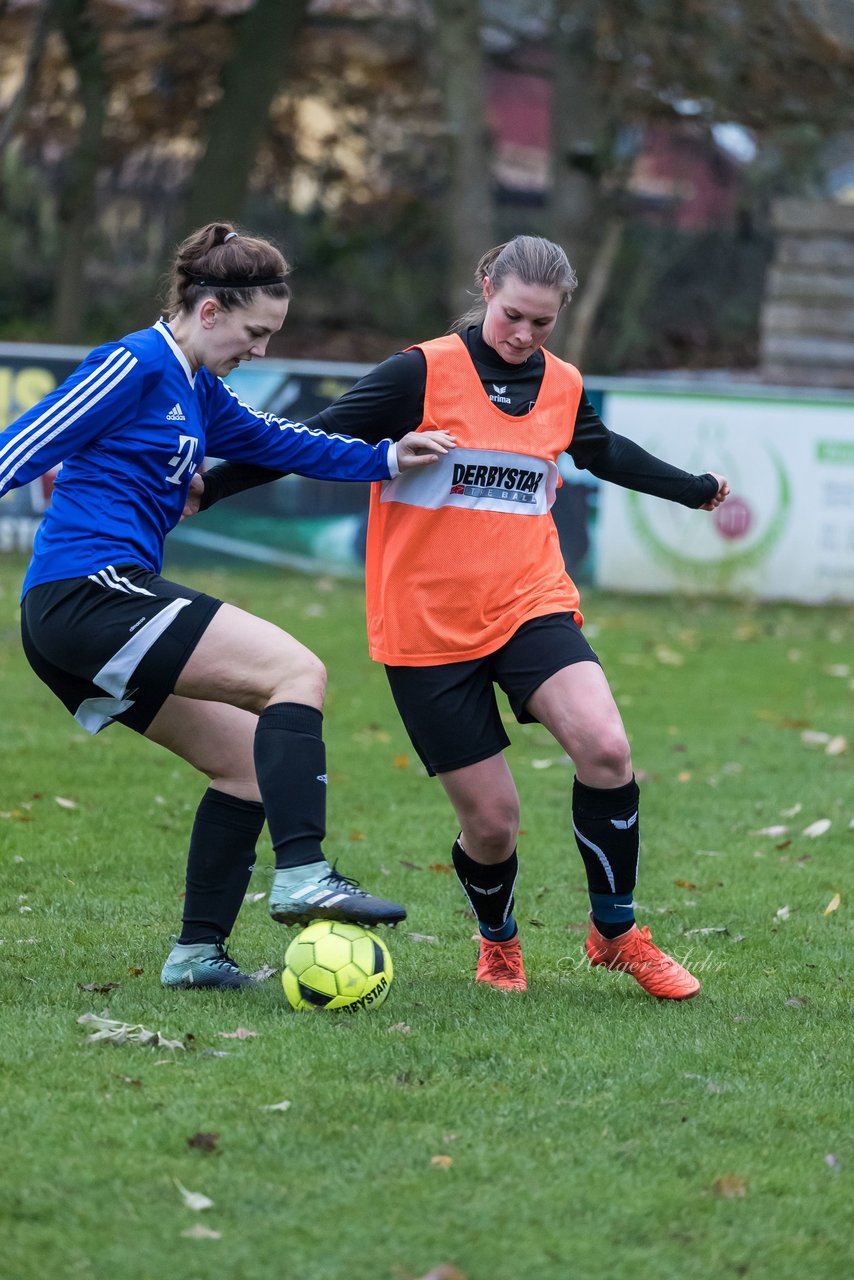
<point x="450" y="711"/>
<point x="112" y="645"/>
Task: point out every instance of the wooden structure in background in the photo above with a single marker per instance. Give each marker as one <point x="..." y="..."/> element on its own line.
<point x="807" y="318"/>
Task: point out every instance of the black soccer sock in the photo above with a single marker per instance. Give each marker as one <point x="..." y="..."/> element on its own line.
<point x="290" y="763"/>
<point x="219" y="865"/>
<point x="605" y="822"/>
<point x="489" y="889"/>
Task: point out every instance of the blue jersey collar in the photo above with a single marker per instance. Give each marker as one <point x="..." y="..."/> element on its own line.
<point x="165" y="332"/>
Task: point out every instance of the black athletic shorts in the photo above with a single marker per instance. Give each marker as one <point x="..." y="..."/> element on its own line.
<point x="112" y="645"/>
<point x="450" y="711"/>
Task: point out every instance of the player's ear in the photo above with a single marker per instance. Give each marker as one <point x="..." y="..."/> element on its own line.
<point x="208" y="312"/>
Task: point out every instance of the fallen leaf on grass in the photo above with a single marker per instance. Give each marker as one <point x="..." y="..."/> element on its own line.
<point x="101" y="987"/>
<point x="277" y="1106"/>
<point x="442" y="1162"/>
<point x="782" y="913"/>
<point x="201" y="1232"/>
<point x="685" y="884"/>
<point x="833" y="905"/>
<point x="837" y="746"/>
<point x="402" y="1027"/>
<point x="711" y="929"/>
<point x="422" y="937"/>
<point x="812" y="738"/>
<point x="444" y="1272"/>
<point x="440" y="866"/>
<point x="254" y="897"/>
<point x="410" y="866"/>
<point x="817" y="828"/>
<point x="832" y="1162"/>
<point x="242" y="1033"/>
<point x="193" y="1199"/>
<point x="772" y="831"/>
<point x="65" y="804"/>
<point x="797" y="1002"/>
<point x="136" y="973"/>
<point x="203" y="1141"/>
<point x="712" y="1086"/>
<point x="793" y="812"/>
<point x="730" y="1187"/>
<point x="130" y="1080"/>
<point x="401" y="762"/>
<point x="356" y="836"/>
<point x="110" y="1031"/>
<point x="261" y="975"/>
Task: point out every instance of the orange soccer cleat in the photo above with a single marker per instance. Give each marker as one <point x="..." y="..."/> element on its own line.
<point x="500" y="965"/>
<point x="635" y="952"/>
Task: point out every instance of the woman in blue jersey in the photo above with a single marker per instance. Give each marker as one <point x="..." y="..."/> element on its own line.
<point x="234" y="695"/>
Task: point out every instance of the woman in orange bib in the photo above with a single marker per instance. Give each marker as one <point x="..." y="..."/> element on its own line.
<point x="467" y="589"/>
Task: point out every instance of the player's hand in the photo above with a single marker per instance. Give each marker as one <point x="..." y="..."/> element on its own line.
<point x="194" y="496"/>
<point x="420" y="448"/>
<point x="723" y="491"/>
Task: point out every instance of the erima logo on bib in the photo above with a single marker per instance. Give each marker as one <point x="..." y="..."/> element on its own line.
<point x="500" y="397"/>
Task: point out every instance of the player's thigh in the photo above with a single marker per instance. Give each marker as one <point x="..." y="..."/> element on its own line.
<point x="214" y="738"/>
<point x="577" y="707"/>
<point x="247" y="661"/>
<point x="535" y="652"/>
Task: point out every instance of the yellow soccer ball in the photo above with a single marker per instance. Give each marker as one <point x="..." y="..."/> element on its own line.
<point x="335" y="965"/>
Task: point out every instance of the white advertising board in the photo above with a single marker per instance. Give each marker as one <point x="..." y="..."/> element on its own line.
<point x="785" y="533"/>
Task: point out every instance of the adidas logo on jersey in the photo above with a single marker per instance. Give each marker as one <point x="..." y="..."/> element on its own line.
<point x="176" y="414"/>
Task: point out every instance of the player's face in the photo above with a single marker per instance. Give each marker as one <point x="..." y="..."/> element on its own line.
<point x="519" y="317"/>
<point x="233" y="337"/>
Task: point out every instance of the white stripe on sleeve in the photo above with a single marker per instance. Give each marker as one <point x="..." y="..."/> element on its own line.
<point x="77" y="401"/>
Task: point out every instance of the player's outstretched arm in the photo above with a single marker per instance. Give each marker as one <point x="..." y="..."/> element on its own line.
<point x="420" y="448"/>
<point x="720" y="496"/>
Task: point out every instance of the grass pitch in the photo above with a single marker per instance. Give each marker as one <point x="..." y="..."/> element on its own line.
<point x="582" y="1129"/>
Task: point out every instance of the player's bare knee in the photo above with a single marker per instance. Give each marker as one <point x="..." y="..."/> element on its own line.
<point x="244" y="788"/>
<point x="612" y="756"/>
<point x="301" y="678"/>
<point x="496" y="832"/>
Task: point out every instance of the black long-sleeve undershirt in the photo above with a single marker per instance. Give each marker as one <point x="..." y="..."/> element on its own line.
<point x="389" y="401"/>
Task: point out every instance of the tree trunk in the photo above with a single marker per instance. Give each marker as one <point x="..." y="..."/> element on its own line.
<point x="41" y="25"/>
<point x="578" y="125"/>
<point x="265" y="43"/>
<point x="582" y="315"/>
<point x="469" y="198"/>
<point x="77" y="203"/>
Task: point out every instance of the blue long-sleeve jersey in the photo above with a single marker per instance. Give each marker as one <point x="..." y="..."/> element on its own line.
<point x="130" y="426"/>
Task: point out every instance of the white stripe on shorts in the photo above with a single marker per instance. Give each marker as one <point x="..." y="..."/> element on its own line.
<point x="115" y="676"/>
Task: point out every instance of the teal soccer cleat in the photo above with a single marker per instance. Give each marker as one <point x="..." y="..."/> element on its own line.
<point x="202" y="964"/>
<point x="331" y="897"/>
